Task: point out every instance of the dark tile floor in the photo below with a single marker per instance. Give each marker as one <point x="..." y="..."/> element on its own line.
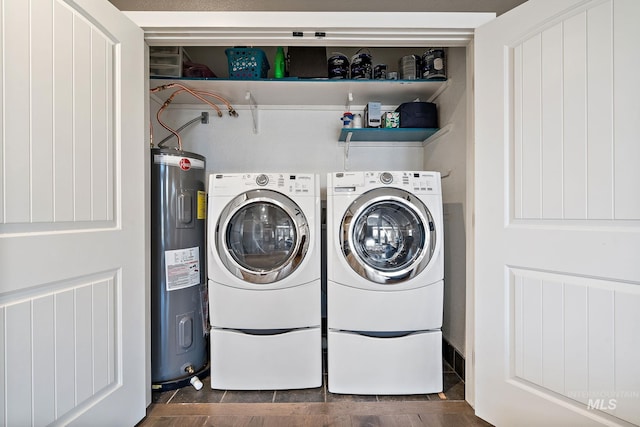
<point x="453" y="389"/>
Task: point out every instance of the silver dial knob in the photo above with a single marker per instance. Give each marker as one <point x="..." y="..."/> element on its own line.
<point x="386" y="178"/>
<point x="262" y="180"/>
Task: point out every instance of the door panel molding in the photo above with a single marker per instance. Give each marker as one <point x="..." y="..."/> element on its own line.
<point x="566" y="337"/>
<point x="59" y="148"/>
<point x="564" y="139"/>
<point x="62" y="345"/>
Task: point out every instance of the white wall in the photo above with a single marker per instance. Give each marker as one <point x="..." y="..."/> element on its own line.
<point x="448" y="155"/>
<point x="305" y="139"/>
<point x="289" y="140"/>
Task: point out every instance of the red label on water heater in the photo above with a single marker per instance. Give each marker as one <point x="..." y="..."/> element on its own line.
<point x="185" y="164"/>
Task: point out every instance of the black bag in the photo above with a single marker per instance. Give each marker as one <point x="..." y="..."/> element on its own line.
<point x="418" y="115"/>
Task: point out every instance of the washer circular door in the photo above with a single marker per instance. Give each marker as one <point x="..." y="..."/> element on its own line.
<point x="388" y="236"/>
<point x="262" y="236"/>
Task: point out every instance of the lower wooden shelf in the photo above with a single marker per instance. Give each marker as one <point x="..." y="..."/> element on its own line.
<point x="392" y="136"/>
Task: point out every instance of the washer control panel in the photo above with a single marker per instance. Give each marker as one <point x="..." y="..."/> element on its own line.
<point x="421" y="182"/>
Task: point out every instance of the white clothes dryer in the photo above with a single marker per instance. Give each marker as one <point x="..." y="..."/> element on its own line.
<point x="385" y="271"/>
<point x="264" y="281"/>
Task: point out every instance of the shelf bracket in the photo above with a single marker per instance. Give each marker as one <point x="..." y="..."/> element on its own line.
<point x="347" y="146"/>
<point x="441" y="89"/>
<point x="254" y="110"/>
<point x="347" y="106"/>
<point x="442" y="132"/>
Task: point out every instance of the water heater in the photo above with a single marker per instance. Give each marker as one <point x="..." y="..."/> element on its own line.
<point x="178" y="276"/>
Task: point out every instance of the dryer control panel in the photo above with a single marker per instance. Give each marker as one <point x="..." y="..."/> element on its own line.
<point x="288" y="183"/>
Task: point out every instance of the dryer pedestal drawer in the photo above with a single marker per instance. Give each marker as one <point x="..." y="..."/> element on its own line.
<point x="355" y="309"/>
<point x="359" y="364"/>
<point x="288" y="360"/>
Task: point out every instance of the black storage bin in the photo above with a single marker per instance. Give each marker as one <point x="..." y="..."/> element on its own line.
<point x="418" y="115"/>
<point x="307" y="62"/>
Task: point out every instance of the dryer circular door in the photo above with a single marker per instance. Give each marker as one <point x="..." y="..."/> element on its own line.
<point x="262" y="236"/>
<point x="388" y="236"/>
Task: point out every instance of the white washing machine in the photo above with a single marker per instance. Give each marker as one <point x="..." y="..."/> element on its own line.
<point x="264" y="281"/>
<point x="385" y="272"/>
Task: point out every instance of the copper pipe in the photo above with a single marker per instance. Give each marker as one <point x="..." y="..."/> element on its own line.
<point x="195" y="93"/>
<point x="160" y="110"/>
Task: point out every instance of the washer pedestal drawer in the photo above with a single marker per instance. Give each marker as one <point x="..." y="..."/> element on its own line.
<point x="361" y="364"/>
<point x="287" y="360"/>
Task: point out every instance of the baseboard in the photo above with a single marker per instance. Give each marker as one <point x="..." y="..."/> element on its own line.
<point x="453" y="357"/>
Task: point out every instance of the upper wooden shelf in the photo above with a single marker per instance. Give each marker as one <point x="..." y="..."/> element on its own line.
<point x="305" y="92"/>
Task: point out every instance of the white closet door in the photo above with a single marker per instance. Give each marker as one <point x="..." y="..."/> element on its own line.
<point x="558" y="214"/>
<point x="72" y="256"/>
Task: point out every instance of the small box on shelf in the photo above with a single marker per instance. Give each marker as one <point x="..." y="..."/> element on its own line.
<point x="165" y="61"/>
<point x="391" y="120"/>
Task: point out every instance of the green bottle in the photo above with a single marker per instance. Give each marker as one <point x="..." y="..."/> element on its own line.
<point x="278" y="65"/>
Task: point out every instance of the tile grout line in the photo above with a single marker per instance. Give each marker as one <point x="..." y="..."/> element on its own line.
<point x="173" y="395"/>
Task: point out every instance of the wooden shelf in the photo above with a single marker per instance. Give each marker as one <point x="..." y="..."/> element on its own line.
<point x="396" y="137"/>
<point x="393" y="134"/>
<point x="311" y="92"/>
